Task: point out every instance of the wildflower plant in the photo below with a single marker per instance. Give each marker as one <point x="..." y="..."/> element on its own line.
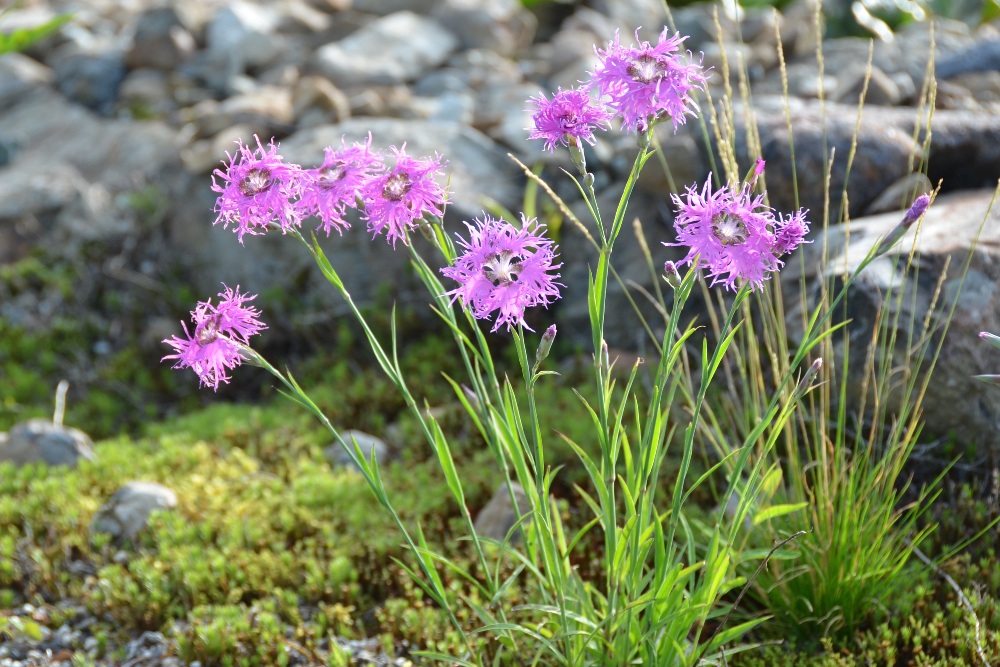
<point x="667" y="583"/>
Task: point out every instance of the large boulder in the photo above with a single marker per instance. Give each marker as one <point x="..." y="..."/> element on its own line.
<point x="957" y="229"/>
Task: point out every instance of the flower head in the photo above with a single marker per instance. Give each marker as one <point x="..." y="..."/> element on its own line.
<point x="571" y="115"/>
<point x="644" y="82"/>
<point x="333" y="187"/>
<point x="258" y="188"/>
<point x="399" y="196"/>
<point x="504" y="269"/>
<point x="790" y="233"/>
<point x="734" y="234"/>
<point x="220" y="332"/>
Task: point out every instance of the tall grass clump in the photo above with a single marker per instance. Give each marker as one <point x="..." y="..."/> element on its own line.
<point x="667" y="584"/>
<point x="836" y="493"/>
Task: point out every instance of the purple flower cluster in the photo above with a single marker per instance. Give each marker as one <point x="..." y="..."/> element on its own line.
<point x="258" y="189"/>
<point x="504" y="269"/>
<point x="220" y="333"/>
<point x="641" y="85"/>
<point x="733" y="235"/>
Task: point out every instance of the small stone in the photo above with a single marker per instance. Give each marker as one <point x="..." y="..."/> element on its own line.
<point x="160" y="42"/>
<point x="336" y="455"/>
<point x="91" y="79"/>
<point x="499" y="515"/>
<point x="127" y="511"/>
<point x="41" y="441"/>
<point x="314" y="93"/>
<point x="881" y="91"/>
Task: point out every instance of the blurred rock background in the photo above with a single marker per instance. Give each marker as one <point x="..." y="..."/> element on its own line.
<point x="110" y="129"/>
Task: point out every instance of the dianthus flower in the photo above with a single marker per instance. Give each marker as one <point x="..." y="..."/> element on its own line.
<point x="333" y="187"/>
<point x="734" y="234"/>
<point x="219" y="334"/>
<point x="644" y="82"/>
<point x="790" y="232"/>
<point x="571" y="115"/>
<point x="259" y="188"/>
<point x="504" y="269"/>
<point x="396" y="198"/>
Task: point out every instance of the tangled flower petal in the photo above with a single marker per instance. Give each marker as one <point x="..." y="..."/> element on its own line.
<point x="258" y="188"/>
<point x="333" y="187"/>
<point x="398" y="197"/>
<point x="642" y="83"/>
<point x="220" y="332"/>
<point x="570" y="116"/>
<point x="734" y="235"/>
<point x="504" y="269"/>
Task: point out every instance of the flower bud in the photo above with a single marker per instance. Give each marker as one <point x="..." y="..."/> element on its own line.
<point x="671" y="274"/>
<point x="545" y="345"/>
<point x="916" y="210"/>
<point x="806" y="382"/>
<point x="992" y="339"/>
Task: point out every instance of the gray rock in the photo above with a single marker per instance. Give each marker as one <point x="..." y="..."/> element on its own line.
<point x="631" y="14"/>
<point x="147" y="89"/>
<point x="501" y="26"/>
<point x="385" y="7"/>
<point x="127" y="511"/>
<point x="500" y="514"/>
<point x="73" y="166"/>
<point x="161" y="41"/>
<point x="981" y="57"/>
<point x="955" y="404"/>
<point x="316" y="101"/>
<point x="19" y="76"/>
<point x="885" y="149"/>
<point x="368" y="444"/>
<point x="268" y="110"/>
<point x="394" y="49"/>
<point x="683" y="156"/>
<point x="900" y="194"/>
<point x="91" y="79"/>
<point x="41" y="441"/>
<point x="240" y="36"/>
<point x="881" y="89"/>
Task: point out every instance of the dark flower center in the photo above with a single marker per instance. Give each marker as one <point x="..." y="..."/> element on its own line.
<point x="501" y="269"/>
<point x="646" y="69"/>
<point x="396" y="186"/>
<point x="330" y="174"/>
<point x="729" y="229"/>
<point x="208" y="331"/>
<point x="256" y="181"/>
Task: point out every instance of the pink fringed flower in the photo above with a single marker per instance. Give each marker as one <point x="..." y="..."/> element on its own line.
<point x="504" y="269"/>
<point x="734" y="235"/>
<point x="219" y="333"/>
<point x="790" y="233"/>
<point x="398" y="197"/>
<point x="571" y="115"/>
<point x="644" y="82"/>
<point x="258" y="188"/>
<point x="332" y="188"/>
